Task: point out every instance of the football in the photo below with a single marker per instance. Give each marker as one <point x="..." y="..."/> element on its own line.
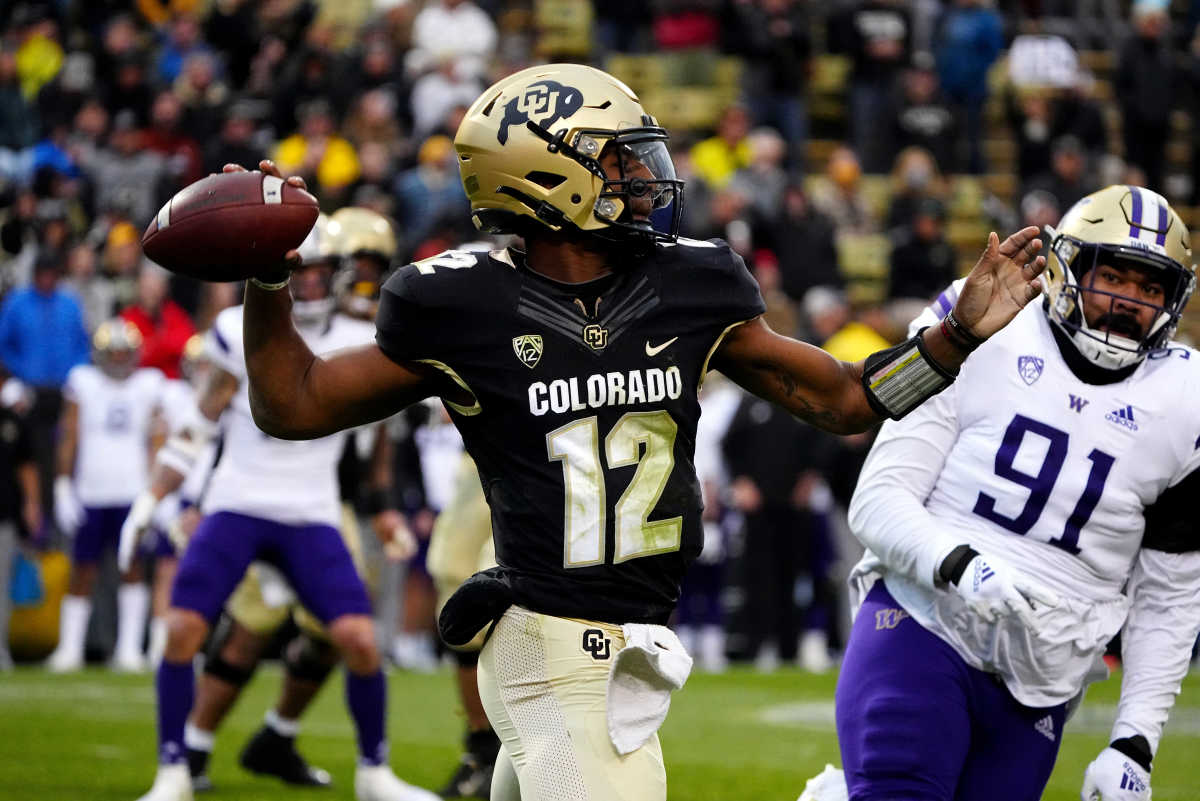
<point x="230" y="226"/>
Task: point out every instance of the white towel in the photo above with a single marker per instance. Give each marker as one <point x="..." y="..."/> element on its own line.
<point x="644" y="673"/>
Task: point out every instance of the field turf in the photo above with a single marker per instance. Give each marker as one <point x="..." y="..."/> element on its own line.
<point x="741" y="736"/>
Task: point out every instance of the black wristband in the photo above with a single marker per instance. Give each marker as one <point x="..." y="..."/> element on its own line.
<point x="960" y="336"/>
<point x="955" y="564"/>
<point x="1136" y="748"/>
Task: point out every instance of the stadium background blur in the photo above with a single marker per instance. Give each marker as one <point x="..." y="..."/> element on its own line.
<point x="854" y="153"/>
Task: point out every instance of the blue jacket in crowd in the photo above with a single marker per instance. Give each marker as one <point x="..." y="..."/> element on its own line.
<point x="42" y="336"/>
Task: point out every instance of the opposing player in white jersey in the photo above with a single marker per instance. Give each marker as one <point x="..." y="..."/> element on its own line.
<point x="106" y="432"/>
<point x="1016" y="522"/>
<point x="178" y="409"/>
<point x="274" y="501"/>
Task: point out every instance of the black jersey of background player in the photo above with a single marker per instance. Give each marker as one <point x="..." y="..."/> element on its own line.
<point x="584" y="421"/>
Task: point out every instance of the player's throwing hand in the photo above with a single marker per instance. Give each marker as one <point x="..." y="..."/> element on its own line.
<point x="1003" y="280"/>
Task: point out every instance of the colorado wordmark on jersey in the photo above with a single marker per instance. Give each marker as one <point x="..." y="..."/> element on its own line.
<point x="114" y="432"/>
<point x="1054" y="476"/>
<point x="292" y="482"/>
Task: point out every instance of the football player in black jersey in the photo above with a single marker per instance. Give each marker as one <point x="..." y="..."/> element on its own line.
<point x="572" y="370"/>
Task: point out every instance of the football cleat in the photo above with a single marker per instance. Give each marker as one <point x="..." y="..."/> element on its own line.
<point x="828" y="785"/>
<point x="271" y="754"/>
<point x="64" y="660"/>
<point x="197" y="762"/>
<point x="171" y="783"/>
<point x="128" y="663"/>
<point x="473" y="779"/>
<point x="378" y="783"/>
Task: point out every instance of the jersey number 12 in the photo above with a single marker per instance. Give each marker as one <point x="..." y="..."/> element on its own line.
<point x="577" y="445"/>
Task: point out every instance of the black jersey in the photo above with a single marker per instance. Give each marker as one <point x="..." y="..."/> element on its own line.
<point x="583" y="425"/>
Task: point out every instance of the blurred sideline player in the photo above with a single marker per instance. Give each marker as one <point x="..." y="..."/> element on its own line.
<point x="460" y="546"/>
<point x="108" y="431"/>
<point x="263" y="503"/>
<point x="1016" y="522"/>
<point x="572" y="371"/>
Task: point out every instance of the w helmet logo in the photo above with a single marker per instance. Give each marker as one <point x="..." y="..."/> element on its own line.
<point x="548" y="100"/>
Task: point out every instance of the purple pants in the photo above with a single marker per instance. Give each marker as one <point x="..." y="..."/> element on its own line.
<point x="100" y="529"/>
<point x="313" y="558"/>
<point x="916" y="723"/>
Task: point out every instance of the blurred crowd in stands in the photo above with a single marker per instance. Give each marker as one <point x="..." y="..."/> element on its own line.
<point x="856" y="153"/>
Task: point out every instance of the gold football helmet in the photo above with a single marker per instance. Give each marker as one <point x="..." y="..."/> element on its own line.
<point x="355" y="231"/>
<point x="117" y="347"/>
<point x="530" y="148"/>
<point x="1119" y="225"/>
<point x="313" y="302"/>
<point x="365" y="242"/>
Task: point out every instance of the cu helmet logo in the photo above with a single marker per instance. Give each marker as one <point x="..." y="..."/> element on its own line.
<point x="596" y="644"/>
<point x="546" y="99"/>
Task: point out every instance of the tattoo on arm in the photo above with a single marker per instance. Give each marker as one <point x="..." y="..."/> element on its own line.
<point x="793" y="399"/>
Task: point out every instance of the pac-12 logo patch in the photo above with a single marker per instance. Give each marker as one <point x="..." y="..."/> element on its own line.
<point x="1030" y="368"/>
<point x="545" y="102"/>
<point x="528" y="348"/>
<point x="596" y="644"/>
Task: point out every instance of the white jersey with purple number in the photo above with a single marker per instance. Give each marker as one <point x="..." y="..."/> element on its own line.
<point x="115" y="416"/>
<point x="293" y="482"/>
<point x="1026" y="462"/>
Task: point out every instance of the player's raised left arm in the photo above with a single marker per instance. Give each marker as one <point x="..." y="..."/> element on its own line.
<point x="846" y="398"/>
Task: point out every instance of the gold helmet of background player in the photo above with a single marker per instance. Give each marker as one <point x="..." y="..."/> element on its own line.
<point x="195" y="357"/>
<point x="313" y="301"/>
<point x="529" y="149"/>
<point x="354" y="231"/>
<point x="365" y="243"/>
<point x="117" y="347"/>
<point x="1118" y="226"/>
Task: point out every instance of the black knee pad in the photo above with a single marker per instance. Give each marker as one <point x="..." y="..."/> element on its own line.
<point x="217" y="667"/>
<point x="309" y="659"/>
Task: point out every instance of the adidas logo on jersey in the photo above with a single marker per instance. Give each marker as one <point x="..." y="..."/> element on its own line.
<point x="1045" y="727"/>
<point x="1122" y="417"/>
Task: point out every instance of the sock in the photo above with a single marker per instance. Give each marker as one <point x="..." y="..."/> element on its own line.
<point x="199" y="748"/>
<point x="133" y="602"/>
<point x="72" y="623"/>
<point x="284" y="727"/>
<point x="197" y="739"/>
<point x="176" y="686"/>
<point x="367" y="698"/>
<point x="158" y="640"/>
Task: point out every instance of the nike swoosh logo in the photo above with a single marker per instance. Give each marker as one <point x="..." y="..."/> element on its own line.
<point x="654" y="351"/>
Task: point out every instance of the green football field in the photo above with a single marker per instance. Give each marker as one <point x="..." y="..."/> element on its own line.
<point x="737" y="736"/>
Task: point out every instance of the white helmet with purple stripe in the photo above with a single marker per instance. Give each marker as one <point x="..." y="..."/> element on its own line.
<point x="1119" y="226"/>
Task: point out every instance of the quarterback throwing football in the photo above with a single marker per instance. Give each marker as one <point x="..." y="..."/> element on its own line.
<point x="572" y="370"/>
